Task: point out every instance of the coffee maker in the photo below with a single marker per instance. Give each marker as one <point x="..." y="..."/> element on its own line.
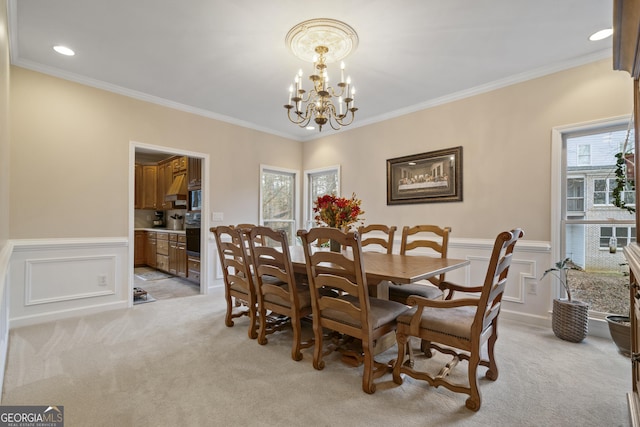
<point x="159" y="219"/>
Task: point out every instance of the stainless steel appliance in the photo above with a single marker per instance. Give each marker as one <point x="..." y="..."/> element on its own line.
<point x="159" y="219"/>
<point x="195" y="200"/>
<point x="192" y="232"/>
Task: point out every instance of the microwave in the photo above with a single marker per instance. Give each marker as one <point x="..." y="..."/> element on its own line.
<point x="195" y="200"/>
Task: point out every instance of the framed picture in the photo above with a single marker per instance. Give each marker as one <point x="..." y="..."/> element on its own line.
<point x="430" y="177"/>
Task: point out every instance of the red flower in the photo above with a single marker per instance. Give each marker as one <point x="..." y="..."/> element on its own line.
<point x="338" y="212"/>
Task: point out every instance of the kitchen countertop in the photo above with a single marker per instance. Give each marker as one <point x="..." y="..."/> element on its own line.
<point x="161" y="230"/>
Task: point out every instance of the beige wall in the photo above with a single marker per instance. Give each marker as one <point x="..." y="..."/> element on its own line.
<point x="506" y="139"/>
<point x="70" y="157"/>
<point x="69" y="154"/>
<point x="4" y="125"/>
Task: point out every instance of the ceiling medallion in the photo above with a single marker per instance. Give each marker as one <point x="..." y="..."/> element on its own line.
<point x="321" y="42"/>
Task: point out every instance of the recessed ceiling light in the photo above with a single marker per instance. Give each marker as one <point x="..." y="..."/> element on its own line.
<point x="63" y="50"/>
<point x="310" y="128"/>
<point x="600" y="35"/>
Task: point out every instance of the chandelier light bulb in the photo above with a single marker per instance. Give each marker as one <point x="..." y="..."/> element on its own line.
<point x="322" y="42"/>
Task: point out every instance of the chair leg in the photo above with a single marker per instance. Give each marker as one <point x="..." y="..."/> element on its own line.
<point x="297" y="338"/>
<point x="262" y="330"/>
<point x="473" y="402"/>
<point x="318" y="363"/>
<point x="492" y="372"/>
<point x="253" y="322"/>
<point x="425" y="347"/>
<point x="228" y="319"/>
<point x="367" y="374"/>
<point x="401" y="340"/>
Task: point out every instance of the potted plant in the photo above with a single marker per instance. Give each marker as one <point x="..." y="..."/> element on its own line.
<point x="620" y="330"/>
<point x="570" y="318"/>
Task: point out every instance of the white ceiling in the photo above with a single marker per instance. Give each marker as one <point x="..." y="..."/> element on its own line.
<point x="228" y="60"/>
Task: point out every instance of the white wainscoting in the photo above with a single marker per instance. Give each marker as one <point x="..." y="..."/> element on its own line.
<point x="58" y="278"/>
<point x="5" y="256"/>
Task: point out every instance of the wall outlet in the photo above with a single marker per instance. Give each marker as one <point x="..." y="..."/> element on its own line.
<point x="532" y="288"/>
<point x="102" y="280"/>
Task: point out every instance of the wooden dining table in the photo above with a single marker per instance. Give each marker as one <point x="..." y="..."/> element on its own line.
<point x="381" y="268"/>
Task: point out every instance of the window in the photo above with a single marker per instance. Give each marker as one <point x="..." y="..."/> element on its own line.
<point x="583" y="181"/>
<point x="318" y="183"/>
<point x="584" y="155"/>
<point x="623" y="236"/>
<point x="603" y="192"/>
<point x="278" y="200"/>
<point x="575" y="195"/>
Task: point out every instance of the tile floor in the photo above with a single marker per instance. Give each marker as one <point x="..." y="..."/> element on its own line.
<point x="171" y="287"/>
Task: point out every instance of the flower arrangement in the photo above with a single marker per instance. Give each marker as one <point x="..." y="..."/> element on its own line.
<point x="337" y="212"/>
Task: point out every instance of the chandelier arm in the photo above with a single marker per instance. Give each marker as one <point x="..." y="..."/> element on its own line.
<point x="293" y="120"/>
<point x="333" y="93"/>
<point x="341" y="121"/>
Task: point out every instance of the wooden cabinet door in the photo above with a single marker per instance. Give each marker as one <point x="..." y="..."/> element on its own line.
<point x="151" y="249"/>
<point x="194" y="174"/>
<point x="181" y="264"/>
<point x="138" y="187"/>
<point x="149" y="187"/>
<point x="173" y="254"/>
<point x="139" y="246"/>
<point x="165" y="178"/>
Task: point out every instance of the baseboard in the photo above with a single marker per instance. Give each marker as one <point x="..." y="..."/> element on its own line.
<point x="597" y="327"/>
<point x="65" y="314"/>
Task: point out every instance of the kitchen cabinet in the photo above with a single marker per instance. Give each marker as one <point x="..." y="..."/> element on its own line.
<point x="178" y="254"/>
<point x="149" y="199"/>
<point x="138" y="187"/>
<point x="139" y="246"/>
<point x="179" y="164"/>
<point x="193" y="268"/>
<point x="162" y="252"/>
<point x="165" y="179"/>
<point x="194" y="174"/>
<point x="150" y="249"/>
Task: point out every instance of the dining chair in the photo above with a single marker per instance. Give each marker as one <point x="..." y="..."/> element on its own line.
<point x="351" y="311"/>
<point x="239" y="288"/>
<point x="277" y="288"/>
<point x="459" y="327"/>
<point x="247" y="226"/>
<point x="422" y="240"/>
<point x="379" y="236"/>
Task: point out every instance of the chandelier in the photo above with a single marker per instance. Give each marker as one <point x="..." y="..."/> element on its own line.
<point x="322" y="41"/>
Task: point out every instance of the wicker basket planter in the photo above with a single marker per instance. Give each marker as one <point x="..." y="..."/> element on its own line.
<point x="570" y="320"/>
<point x="620" y="330"/>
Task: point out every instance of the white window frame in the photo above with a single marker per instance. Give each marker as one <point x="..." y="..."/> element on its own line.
<point x="296" y="195"/>
<point x="557" y="181"/>
<point x="308" y="203"/>
<point x="584" y="193"/>
<point x="578" y="156"/>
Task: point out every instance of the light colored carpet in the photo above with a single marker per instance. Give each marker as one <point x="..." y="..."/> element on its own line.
<point x="175" y="363"/>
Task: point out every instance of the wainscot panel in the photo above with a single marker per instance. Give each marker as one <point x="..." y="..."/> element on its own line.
<point x="57" y="278"/>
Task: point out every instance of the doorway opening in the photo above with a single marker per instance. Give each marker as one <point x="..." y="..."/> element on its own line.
<point x="168" y="255"/>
